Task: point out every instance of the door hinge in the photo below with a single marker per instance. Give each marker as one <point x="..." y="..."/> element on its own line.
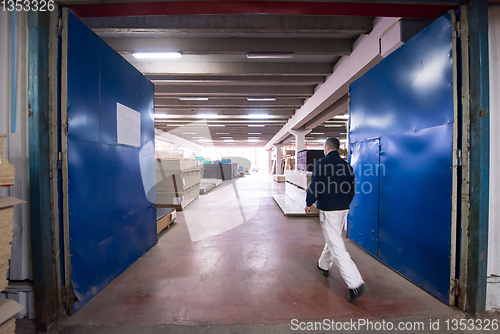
<point x="459" y="157"/>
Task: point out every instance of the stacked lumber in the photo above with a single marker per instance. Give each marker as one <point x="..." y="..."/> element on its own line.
<point x="6" y="233"/>
<point x="8" y="309"/>
<point x="7" y="171"/>
<point x="177" y="182"/>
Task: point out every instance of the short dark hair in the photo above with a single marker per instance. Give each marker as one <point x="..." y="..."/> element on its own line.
<point x="333" y="143"/>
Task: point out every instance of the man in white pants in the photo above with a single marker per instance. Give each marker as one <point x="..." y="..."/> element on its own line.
<point x="332" y="188"/>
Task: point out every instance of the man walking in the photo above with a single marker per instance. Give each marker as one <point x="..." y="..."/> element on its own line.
<point x="332" y="188"/>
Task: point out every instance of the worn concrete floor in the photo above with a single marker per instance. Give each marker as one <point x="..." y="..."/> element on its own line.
<point x="254" y="278"/>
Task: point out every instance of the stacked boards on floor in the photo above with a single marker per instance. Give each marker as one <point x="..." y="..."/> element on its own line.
<point x="177" y="182"/>
<point x="7" y="171"/>
<point x="207" y="185"/>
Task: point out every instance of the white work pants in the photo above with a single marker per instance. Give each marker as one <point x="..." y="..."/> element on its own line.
<point x="332" y="223"/>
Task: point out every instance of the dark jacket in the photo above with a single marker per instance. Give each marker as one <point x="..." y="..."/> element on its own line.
<point x="332" y="184"/>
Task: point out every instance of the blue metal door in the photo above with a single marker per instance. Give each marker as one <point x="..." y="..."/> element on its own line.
<point x="110" y="119"/>
<point x="362" y="221"/>
<point x="407" y="102"/>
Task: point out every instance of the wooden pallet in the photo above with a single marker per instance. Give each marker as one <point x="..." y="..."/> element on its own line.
<point x="165" y="222"/>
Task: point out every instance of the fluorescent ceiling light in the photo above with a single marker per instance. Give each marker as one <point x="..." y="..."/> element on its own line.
<point x="204" y="140"/>
<point x="226" y="137"/>
<point x="222" y="133"/>
<point x="198" y="137"/>
<point x="254" y="133"/>
<point x="256" y="125"/>
<point x="309" y="138"/>
<point x="161" y="116"/>
<point x="193" y="98"/>
<point x="260" y="99"/>
<point x="321" y="140"/>
<point x="253" y="140"/>
<point x="270" y="55"/>
<point x="228" y="140"/>
<point x="341" y="117"/>
<point x="258" y="116"/>
<point x="189" y="133"/>
<point x="216" y="125"/>
<point x="333" y="125"/>
<point x="157" y="55"/>
<point x="317" y="133"/>
<point x="253" y="137"/>
<point x="207" y="115"/>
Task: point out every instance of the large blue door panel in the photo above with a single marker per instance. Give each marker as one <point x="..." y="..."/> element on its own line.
<point x="415" y="206"/>
<point x="411" y="89"/>
<point x="362" y="221"/>
<point x="407" y="102"/>
<point x="111" y="221"/>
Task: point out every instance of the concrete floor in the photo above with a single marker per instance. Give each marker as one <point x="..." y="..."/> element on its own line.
<point x="253" y="278"/>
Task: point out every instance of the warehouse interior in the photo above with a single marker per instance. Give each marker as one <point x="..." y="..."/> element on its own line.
<point x="156" y="158"/>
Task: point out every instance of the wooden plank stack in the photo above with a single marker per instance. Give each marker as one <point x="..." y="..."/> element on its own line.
<point x="177" y="182"/>
<point x="8" y="307"/>
<point x="7" y="171"/>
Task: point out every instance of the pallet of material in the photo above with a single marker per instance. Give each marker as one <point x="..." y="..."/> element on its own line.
<point x="299" y="178"/>
<point x="178" y="165"/>
<point x="279" y="178"/>
<point x="8" y="309"/>
<point x="207" y="185"/>
<point x="177" y="200"/>
<point x="293" y="202"/>
<point x="7" y="171"/>
<point x="165" y="217"/>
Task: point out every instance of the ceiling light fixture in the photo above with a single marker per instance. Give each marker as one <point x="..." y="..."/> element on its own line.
<point x="254" y="133"/>
<point x="222" y="133"/>
<point x="228" y="140"/>
<point x="157" y="55"/>
<point x="258" y="116"/>
<point x="253" y="137"/>
<point x="193" y="98"/>
<point x="157" y="116"/>
<point x="260" y="99"/>
<point x="333" y="125"/>
<point x="341" y="117"/>
<point x="270" y="55"/>
<point x="216" y="125"/>
<point x="207" y="116"/>
<point x="253" y="140"/>
<point x="226" y="137"/>
<point x="198" y="137"/>
<point x="317" y="133"/>
<point x="256" y="125"/>
<point x="189" y="133"/>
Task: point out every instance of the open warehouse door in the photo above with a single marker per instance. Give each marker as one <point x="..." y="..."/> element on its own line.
<point x="107" y="128"/>
<point x="403" y="114"/>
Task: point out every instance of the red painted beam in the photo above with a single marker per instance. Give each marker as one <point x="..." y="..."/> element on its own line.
<point x="259" y="7"/>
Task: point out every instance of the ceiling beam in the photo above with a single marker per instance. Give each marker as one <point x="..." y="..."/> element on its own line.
<point x="366" y="54"/>
<point x="338" y="107"/>
<point x="242" y="91"/>
<point x="235" y="103"/>
<point x="247" y="69"/>
<point x="255" y="80"/>
<point x="203" y="46"/>
<point x="226" y="112"/>
<point x="231" y="24"/>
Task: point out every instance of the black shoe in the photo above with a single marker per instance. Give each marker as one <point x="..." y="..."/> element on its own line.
<point x="356" y="293"/>
<point x="323" y="271"/>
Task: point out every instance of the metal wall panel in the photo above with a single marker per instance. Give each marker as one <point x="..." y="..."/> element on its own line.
<point x="363" y="216"/>
<point x="407" y="102"/>
<point x="415" y="206"/>
<point x="111" y="221"/>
